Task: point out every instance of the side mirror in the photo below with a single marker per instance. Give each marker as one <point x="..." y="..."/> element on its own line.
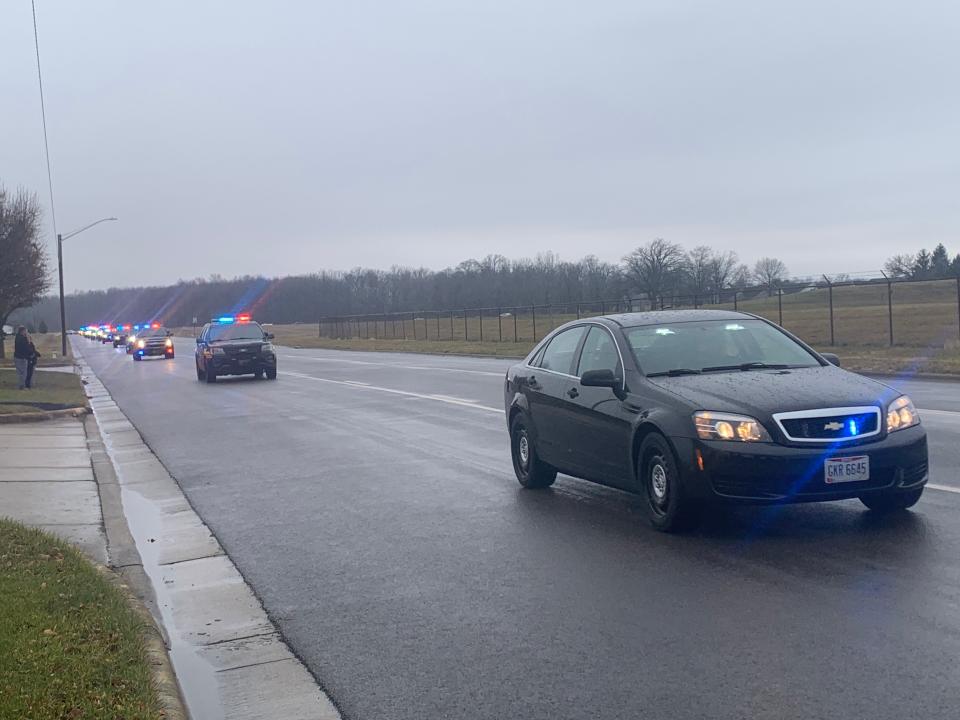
<point x="831" y="358"/>
<point x="268" y="336"/>
<point x="600" y="378"/>
<point x="199" y="341"/>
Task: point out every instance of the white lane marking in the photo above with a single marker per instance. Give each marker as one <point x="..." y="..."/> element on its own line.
<point x="943" y="413"/>
<point x="357" y="382"/>
<point x="393" y="391"/>
<point x="451" y="397"/>
<point x="397" y="365"/>
<point x="944" y="488"/>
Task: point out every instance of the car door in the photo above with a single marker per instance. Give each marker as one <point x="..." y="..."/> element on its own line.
<point x="201" y="344"/>
<point x="601" y="423"/>
<point x="549" y="406"/>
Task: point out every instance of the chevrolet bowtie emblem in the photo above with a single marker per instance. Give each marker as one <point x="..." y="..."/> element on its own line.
<point x="834" y="426"/>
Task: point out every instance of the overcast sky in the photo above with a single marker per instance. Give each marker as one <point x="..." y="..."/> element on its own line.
<point x="281" y="137"/>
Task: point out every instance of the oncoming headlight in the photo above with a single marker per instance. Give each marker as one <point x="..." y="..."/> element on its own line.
<point x="725" y="426"/>
<point x="141" y="344"/>
<point x="901" y="414"/>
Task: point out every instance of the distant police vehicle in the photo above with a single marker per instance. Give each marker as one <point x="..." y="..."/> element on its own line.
<point x="120" y="334"/>
<point x="153" y="341"/>
<point x="234" y="345"/>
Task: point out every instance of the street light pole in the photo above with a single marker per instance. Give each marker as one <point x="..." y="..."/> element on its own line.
<point x="63" y="312"/>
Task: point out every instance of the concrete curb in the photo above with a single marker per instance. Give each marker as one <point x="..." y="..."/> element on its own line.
<point x="43" y="415"/>
<point x="126" y="573"/>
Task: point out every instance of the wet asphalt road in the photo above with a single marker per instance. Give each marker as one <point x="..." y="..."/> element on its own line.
<point x="386" y="535"/>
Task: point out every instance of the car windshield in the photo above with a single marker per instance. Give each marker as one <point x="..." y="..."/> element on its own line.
<point x="152" y="332"/>
<point x="714" y="346"/>
<point x="235" y="331"/>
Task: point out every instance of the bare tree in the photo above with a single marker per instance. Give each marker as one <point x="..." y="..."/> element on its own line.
<point x="651" y="267"/>
<point x="722" y="267"/>
<point x="770" y="273"/>
<point x="699" y="266"/>
<point x="23" y="262"/>
<point x="899" y="266"/>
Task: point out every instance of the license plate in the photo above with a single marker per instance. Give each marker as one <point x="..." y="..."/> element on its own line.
<point x="846" y="469"/>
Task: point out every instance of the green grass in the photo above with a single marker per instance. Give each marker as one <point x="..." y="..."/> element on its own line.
<point x="48" y="345"/>
<point x="70" y="645"/>
<point x="50" y="391"/>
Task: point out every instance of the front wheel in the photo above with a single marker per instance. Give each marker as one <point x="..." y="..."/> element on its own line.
<point x="531" y="471"/>
<point x="271" y="374"/>
<point x="668" y="509"/>
<point x="201" y="375"/>
<point x="892" y="502"/>
<point x="136" y="357"/>
<point x="210" y="375"/>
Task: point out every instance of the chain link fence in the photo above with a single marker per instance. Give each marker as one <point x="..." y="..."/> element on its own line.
<point x="912" y="313"/>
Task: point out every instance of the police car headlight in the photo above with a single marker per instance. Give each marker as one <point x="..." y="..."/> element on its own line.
<point x="216" y="350"/>
<point x="141" y="344"/>
<point x="266" y="347"/>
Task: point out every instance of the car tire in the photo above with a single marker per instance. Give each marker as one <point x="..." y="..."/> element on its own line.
<point x="136" y="357"/>
<point x="258" y="374"/>
<point x="658" y="475"/>
<point x="531" y="471"/>
<point x="893" y="501"/>
<point x="210" y="375"/>
<point x="171" y="356"/>
<point x="272" y="374"/>
<point x="201" y="375"/>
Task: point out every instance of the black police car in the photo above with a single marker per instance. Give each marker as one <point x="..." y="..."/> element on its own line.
<point x="694" y="407"/>
<point x="235" y="345"/>
<point x="153" y="341"/>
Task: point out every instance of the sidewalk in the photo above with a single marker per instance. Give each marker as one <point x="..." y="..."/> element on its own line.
<point x="46" y="481"/>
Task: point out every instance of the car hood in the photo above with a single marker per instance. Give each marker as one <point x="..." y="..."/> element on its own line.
<point x="760" y="393"/>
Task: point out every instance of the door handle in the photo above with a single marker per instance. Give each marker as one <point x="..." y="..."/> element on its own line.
<point x="573" y="392"/>
<point x="532" y="383"/>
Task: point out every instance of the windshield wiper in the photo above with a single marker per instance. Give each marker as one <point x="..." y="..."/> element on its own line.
<point x="747" y="366"/>
<point x="675" y="372"/>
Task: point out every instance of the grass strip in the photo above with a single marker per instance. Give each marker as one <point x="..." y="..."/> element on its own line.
<point x="50" y="391"/>
<point x="70" y="645"/>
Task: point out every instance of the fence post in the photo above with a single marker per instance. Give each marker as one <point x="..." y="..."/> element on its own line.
<point x="438" y="324"/>
<point x="550" y="318"/>
<point x="466" y="335"/>
<point x="426" y="330"/>
<point x="603" y="308"/>
<point x="735" y="293"/>
<point x="481" y="324"/>
<point x="890" y="309"/>
<point x="533" y="312"/>
<point x="661" y="302"/>
<point x="451" y="324"/>
<point x="413" y="321"/>
<point x="958" y="301"/>
<point x="500" y="324"/>
<point x="830" y="300"/>
<point x="780" y="306"/>
<point x="578" y="311"/>
<point x="514" y="324"/>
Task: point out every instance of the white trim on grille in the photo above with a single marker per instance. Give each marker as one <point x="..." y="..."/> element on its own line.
<point x="826" y="413"/>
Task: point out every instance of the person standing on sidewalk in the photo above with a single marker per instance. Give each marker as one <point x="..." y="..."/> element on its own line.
<point x="22" y="352"/>
<point x="32" y="363"/>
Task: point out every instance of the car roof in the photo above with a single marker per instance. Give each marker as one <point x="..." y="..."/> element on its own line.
<point x="659" y="317"/>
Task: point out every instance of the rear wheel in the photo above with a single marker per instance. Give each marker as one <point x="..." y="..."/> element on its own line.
<point x="137" y="357"/>
<point x="659" y="478"/>
<point x="532" y="472"/>
<point x="258" y="374"/>
<point x="892" y="502"/>
<point x="272" y="374"/>
<point x="201" y="375"/>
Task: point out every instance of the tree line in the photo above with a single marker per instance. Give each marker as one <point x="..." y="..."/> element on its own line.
<point x="936" y="265"/>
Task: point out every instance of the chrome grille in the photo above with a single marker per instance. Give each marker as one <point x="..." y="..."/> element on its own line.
<point x="829" y="425"/>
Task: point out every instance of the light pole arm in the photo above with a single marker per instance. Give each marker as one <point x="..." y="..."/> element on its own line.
<point x="63" y="311"/>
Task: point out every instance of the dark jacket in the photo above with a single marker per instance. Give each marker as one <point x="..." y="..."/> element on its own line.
<point x="22" y="348"/>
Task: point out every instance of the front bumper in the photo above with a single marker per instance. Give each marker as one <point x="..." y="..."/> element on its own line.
<point x="154" y="350"/>
<point x="767" y="472"/>
<point x="242" y="365"/>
